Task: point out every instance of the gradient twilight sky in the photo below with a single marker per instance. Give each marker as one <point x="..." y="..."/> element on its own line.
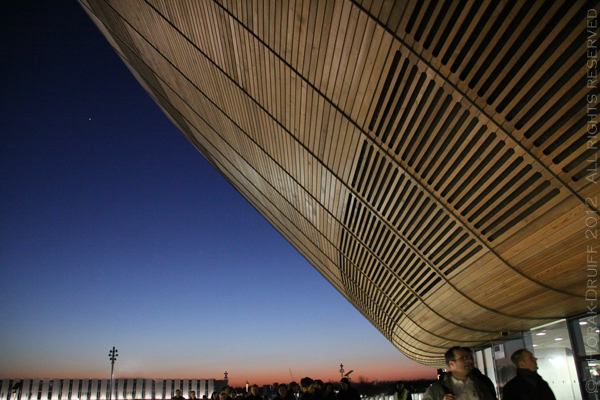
<point x="115" y="231"/>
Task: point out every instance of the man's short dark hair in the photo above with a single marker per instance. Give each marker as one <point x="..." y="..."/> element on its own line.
<point x="306" y="382"/>
<point x="449" y="356"/>
<point x="518" y="356"/>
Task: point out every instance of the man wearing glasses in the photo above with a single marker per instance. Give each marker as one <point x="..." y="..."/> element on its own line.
<point x="459" y="383"/>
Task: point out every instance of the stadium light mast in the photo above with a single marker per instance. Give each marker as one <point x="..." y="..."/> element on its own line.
<point x="112" y="356"/>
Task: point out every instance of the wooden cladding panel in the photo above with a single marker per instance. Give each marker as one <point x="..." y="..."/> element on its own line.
<point x="524" y="65"/>
<point x="428" y="158"/>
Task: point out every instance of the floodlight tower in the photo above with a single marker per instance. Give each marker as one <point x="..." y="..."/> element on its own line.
<point x="112" y="356"/>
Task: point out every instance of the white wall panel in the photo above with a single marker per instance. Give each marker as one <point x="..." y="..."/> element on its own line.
<point x="185" y="388"/>
<point x="5" y="390"/>
<point x="35" y="389"/>
<point x="45" y="389"/>
<point x="148" y="393"/>
<point x="129" y="389"/>
<point x="56" y="386"/>
<point x="26" y="389"/>
<point x="119" y="388"/>
<point x="169" y="392"/>
<point x="85" y="388"/>
<point x="127" y="392"/>
<point x="210" y="387"/>
<point x="104" y="389"/>
<point x="75" y="395"/>
<point x="94" y="390"/>
<point x="158" y="391"/>
<point x="98" y="389"/>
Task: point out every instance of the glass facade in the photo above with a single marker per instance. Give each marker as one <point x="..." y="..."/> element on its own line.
<point x="584" y="334"/>
<point x="567" y="352"/>
<point x="551" y="345"/>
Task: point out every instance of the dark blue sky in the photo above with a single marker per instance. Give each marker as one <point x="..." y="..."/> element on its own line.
<point x="115" y="231"/>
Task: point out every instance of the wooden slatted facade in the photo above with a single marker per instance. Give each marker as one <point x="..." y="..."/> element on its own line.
<point x="431" y="159"/>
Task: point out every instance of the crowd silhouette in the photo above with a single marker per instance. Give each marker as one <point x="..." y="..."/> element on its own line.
<point x="308" y="389"/>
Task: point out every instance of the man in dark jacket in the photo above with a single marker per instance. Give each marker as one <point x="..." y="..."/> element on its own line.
<point x="527" y="385"/>
<point x="459" y="383"/>
<point x="479" y="375"/>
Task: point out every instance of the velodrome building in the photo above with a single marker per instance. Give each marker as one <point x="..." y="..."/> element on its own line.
<point x="434" y="160"/>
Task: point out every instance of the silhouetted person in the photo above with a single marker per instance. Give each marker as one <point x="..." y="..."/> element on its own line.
<point x="254" y="393"/>
<point x="329" y="392"/>
<point x="527" y="385"/>
<point x="294" y="389"/>
<point x="283" y="393"/>
<point x="318" y="395"/>
<point x="178" y="395"/>
<point x="347" y="392"/>
<point x="307" y="386"/>
<point x="402" y="393"/>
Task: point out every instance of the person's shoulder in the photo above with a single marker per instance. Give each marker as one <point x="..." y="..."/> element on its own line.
<point x="515" y="382"/>
<point x="483" y="381"/>
<point x="435" y="384"/>
<point x="513" y="388"/>
<point x="477" y="374"/>
<point x="435" y="391"/>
